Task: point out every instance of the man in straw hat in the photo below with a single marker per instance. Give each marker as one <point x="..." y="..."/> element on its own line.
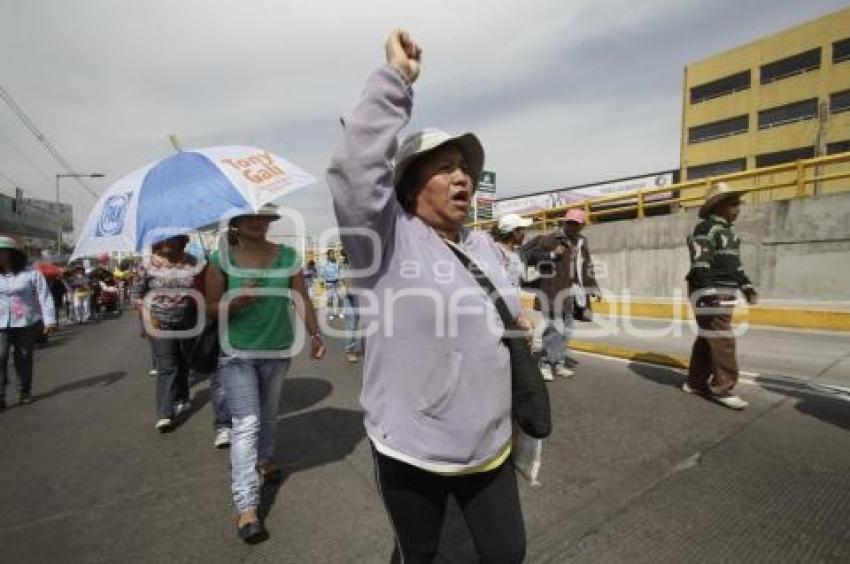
<point x="715" y="277"/>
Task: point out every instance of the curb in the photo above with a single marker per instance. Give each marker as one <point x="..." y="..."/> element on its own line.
<point x="630" y="354"/>
<point x="796" y="318"/>
<point x="787" y="317"/>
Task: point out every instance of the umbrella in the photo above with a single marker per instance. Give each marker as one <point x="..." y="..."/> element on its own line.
<point x="49" y="270"/>
<point x="186" y="191"/>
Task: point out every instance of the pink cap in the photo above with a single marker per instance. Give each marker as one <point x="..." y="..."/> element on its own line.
<point x="575" y="214"/>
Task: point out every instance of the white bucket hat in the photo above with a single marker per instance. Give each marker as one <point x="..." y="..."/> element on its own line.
<point x="716" y="194"/>
<point x="512" y="221"/>
<point x="429" y="139"/>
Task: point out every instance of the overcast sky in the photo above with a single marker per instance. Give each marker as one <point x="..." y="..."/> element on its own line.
<point x="560" y="92"/>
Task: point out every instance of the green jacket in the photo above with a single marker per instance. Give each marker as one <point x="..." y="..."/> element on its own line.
<point x="716" y="258"/>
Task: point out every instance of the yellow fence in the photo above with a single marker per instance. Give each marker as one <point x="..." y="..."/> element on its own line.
<point x="800" y="179"/>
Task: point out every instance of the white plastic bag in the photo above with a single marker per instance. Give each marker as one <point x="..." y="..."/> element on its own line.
<point x="527" y="456"/>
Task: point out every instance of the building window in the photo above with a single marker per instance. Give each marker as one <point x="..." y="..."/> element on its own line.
<point x="796" y="64"/>
<point x="716" y="169"/>
<point x="838" y="147"/>
<point x="841" y="51"/>
<point x="787" y="156"/>
<point x="839" y="101"/>
<point x="720" y="87"/>
<point x="718" y="129"/>
<point x="780" y="115"/>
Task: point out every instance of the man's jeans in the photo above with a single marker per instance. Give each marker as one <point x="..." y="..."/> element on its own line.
<point x="352" y="319"/>
<point x="558" y="331"/>
<point x="252" y="388"/>
<point x="23" y="339"/>
<point x="172" y="374"/>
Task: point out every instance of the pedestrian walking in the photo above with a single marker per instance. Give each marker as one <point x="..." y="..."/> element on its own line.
<point x="310" y="275"/>
<point x="509" y="234"/>
<point x="351" y="318"/>
<point x="256" y="350"/>
<point x="165" y="292"/>
<point x="567" y="284"/>
<point x="81" y="291"/>
<point x="26" y="311"/>
<point x="330" y="275"/>
<point x="715" y="277"/>
<point x="438" y="404"/>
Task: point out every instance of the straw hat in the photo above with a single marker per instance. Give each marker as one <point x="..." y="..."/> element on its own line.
<point x="429" y="139"/>
<point x="718" y="193"/>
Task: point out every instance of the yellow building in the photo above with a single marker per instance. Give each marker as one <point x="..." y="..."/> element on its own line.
<point x="781" y="98"/>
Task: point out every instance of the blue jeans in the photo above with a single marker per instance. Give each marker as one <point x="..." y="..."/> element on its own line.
<point x="172" y="374"/>
<point x="352" y="342"/>
<point x="334" y="297"/>
<point x="555" y="338"/>
<point x="252" y="388"/>
<point x="221" y="414"/>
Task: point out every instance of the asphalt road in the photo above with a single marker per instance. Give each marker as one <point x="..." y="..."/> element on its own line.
<point x="636" y="471"/>
<point x="821" y="356"/>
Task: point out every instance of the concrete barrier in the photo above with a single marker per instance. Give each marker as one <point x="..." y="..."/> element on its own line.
<point x="794" y="250"/>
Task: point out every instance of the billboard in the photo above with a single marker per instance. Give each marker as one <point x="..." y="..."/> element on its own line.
<point x="548" y="200"/>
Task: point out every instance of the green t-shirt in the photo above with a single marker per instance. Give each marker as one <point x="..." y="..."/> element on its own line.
<point x="266" y="324"/>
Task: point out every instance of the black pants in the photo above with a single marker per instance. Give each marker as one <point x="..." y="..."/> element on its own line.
<point x="22" y="341"/>
<point x="416" y="503"/>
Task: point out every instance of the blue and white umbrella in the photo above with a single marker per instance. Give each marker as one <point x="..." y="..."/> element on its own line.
<point x="183" y="192"/>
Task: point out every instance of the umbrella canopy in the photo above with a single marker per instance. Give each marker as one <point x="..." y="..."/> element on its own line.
<point x="186" y="191"/>
<point x="49" y="270"/>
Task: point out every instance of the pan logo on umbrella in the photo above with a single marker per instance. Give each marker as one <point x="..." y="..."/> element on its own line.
<point x="113" y="215"/>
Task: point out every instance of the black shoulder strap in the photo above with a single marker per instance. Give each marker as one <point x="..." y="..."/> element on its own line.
<point x="488" y="286"/>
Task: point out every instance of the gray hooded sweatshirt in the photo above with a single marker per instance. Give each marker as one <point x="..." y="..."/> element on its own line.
<point x="436" y="376"/>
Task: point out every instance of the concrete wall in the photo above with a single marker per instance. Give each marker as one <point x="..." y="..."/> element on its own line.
<point x="793" y="249"/>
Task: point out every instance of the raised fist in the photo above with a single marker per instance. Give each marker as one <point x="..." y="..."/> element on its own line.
<point x="404" y="54"/>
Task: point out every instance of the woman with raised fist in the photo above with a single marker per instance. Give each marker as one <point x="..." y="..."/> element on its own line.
<point x="436" y="378"/>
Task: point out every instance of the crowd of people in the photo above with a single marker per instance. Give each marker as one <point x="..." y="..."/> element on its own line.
<point x="439" y="427"/>
<point x="35" y="296"/>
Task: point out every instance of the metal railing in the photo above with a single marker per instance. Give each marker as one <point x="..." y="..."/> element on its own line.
<point x="799" y="179"/>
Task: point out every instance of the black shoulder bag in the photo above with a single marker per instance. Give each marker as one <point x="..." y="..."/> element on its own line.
<point x="204" y="349"/>
<point x="529" y="396"/>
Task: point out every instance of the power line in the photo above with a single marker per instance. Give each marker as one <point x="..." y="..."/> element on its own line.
<point x="43" y="139"/>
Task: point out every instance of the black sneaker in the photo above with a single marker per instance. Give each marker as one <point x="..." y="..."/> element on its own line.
<point x="26" y="399"/>
<point x="2" y="404"/>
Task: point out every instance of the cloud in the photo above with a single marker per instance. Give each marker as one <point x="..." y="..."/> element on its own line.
<point x="561" y="92"/>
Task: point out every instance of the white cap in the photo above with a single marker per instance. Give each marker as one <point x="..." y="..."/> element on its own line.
<point x="511" y="221"/>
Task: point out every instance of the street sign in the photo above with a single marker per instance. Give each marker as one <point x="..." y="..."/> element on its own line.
<point x="487" y="182"/>
<point x="485" y="195"/>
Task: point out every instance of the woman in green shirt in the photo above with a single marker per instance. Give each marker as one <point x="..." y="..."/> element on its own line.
<point x="257" y="336"/>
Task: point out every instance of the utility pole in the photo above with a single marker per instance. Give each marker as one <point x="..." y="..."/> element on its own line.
<point x="820" y="138"/>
